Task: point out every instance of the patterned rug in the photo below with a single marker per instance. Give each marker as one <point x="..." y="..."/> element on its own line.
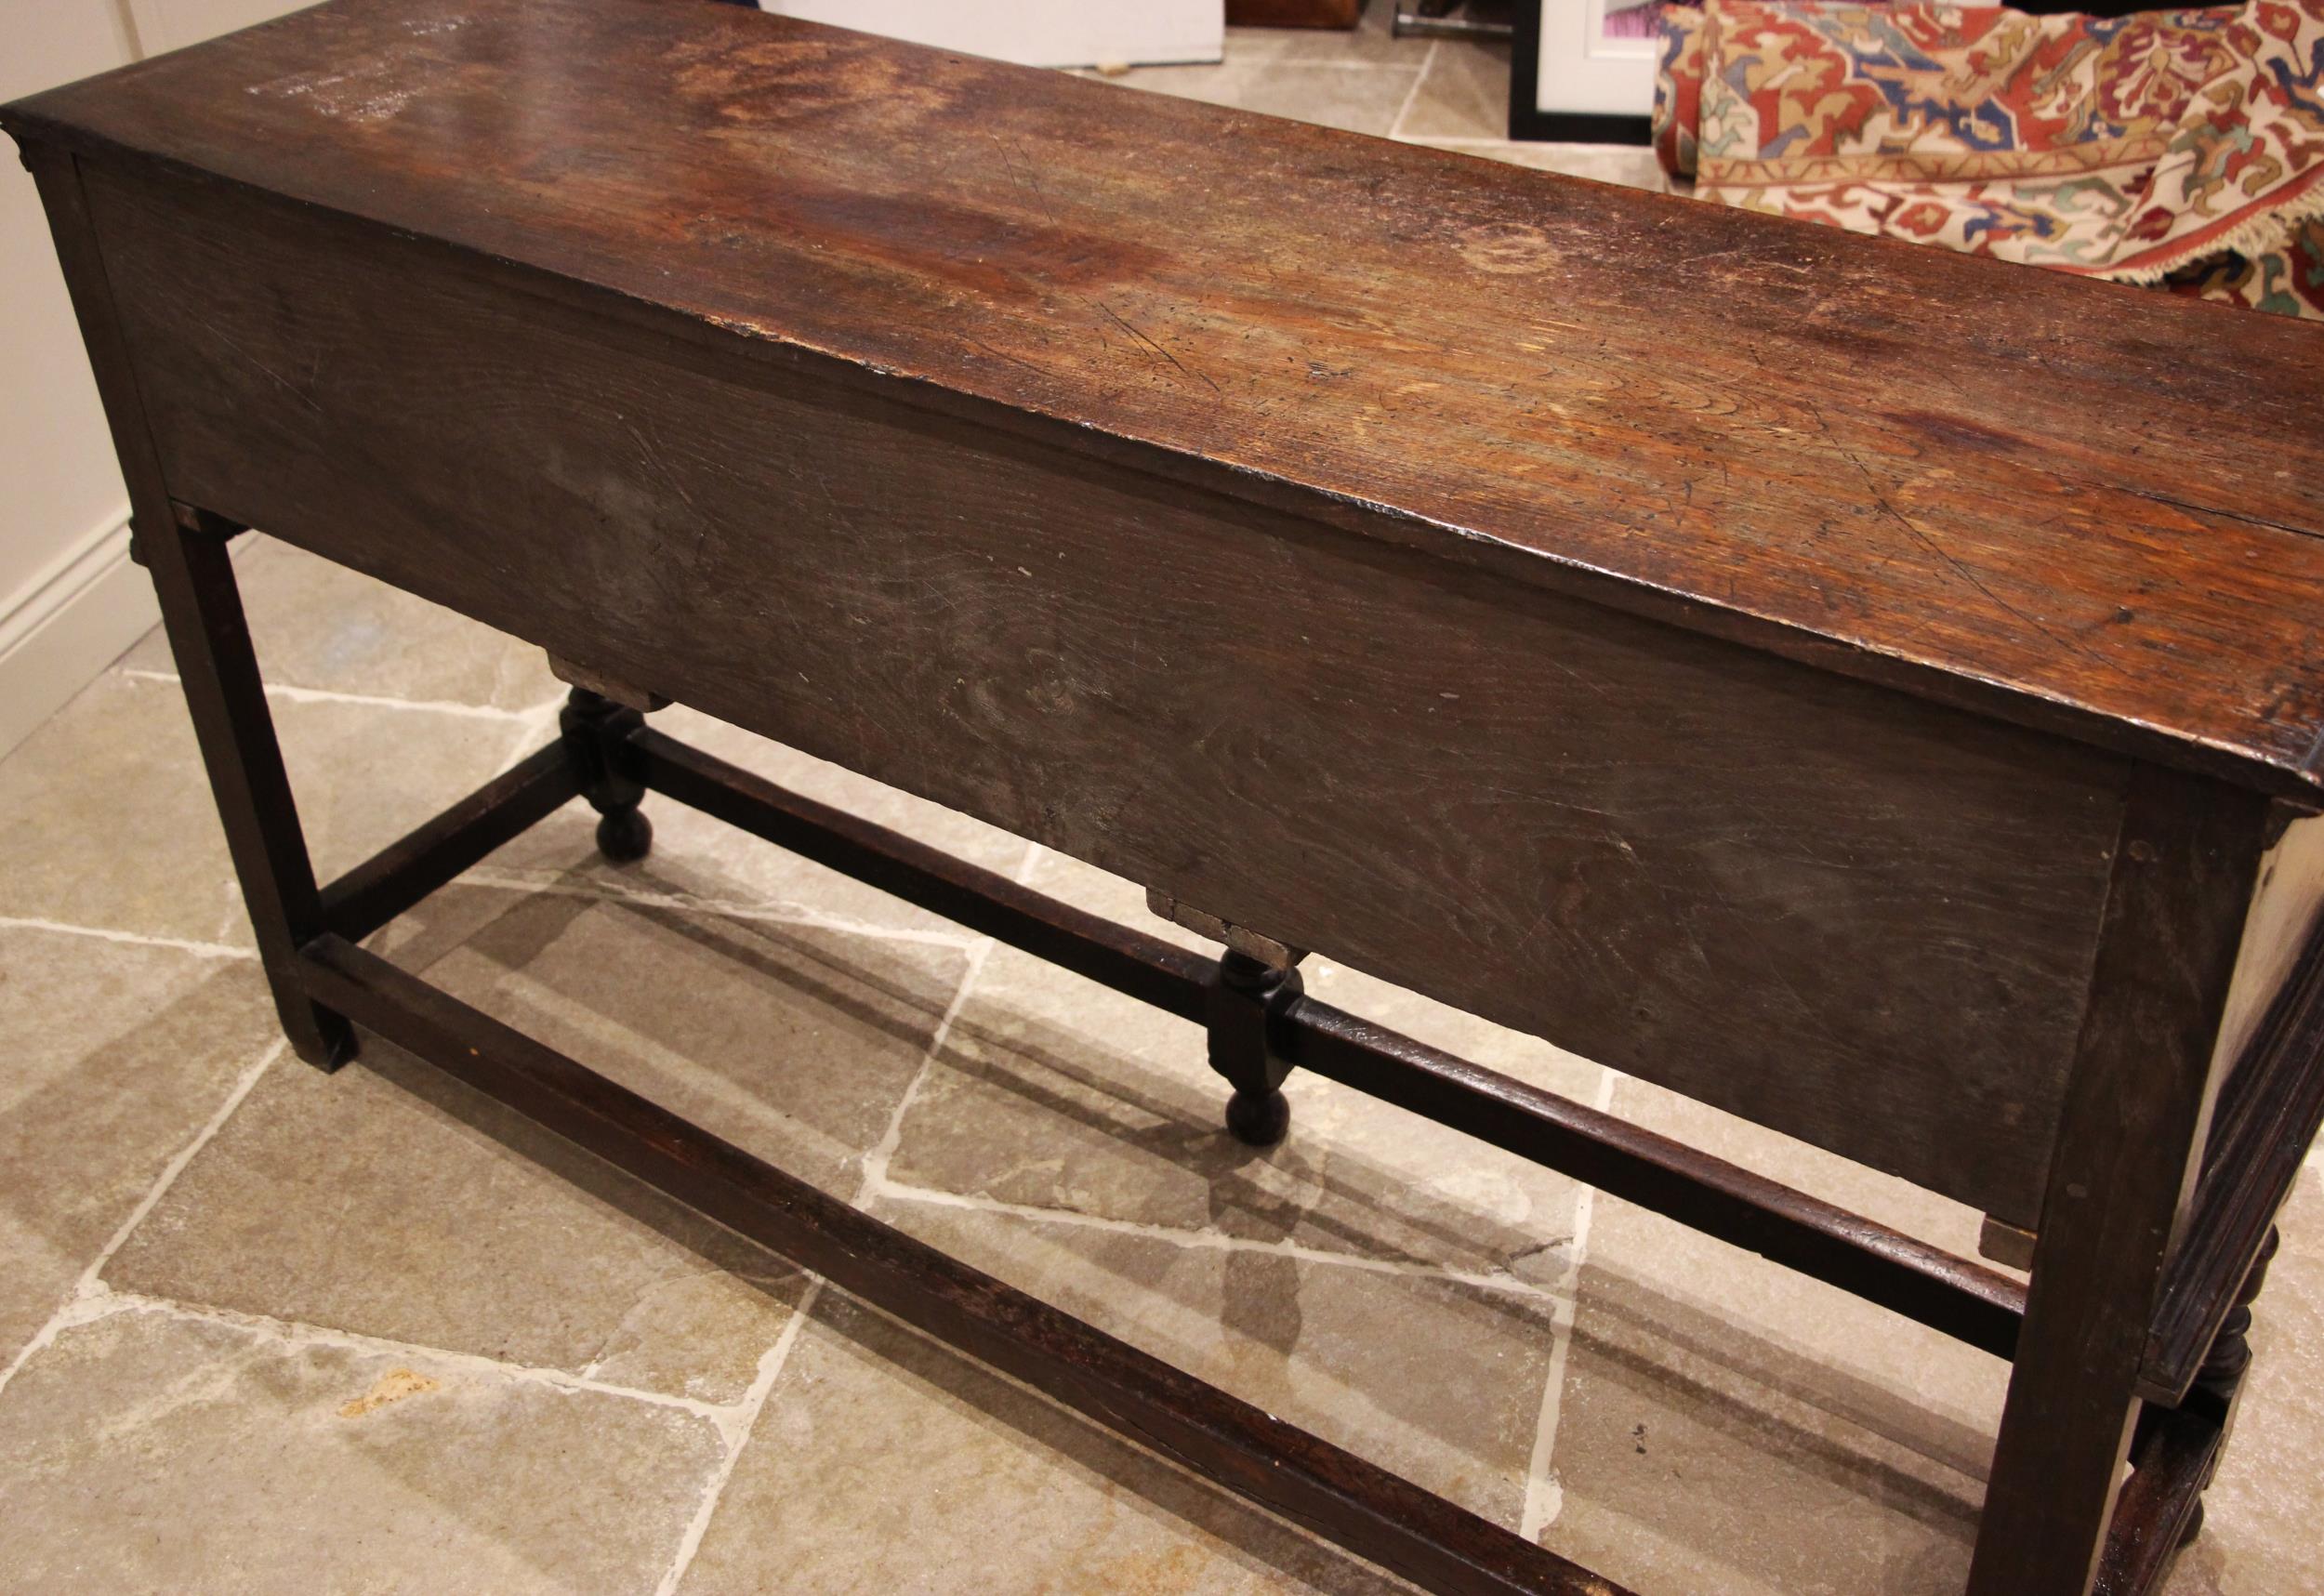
<point x="2178" y="148"/>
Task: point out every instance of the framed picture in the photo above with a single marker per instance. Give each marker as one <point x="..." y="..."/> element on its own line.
<point x="1582" y="71"/>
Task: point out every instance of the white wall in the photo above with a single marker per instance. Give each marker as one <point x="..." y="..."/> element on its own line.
<point x="173" y="24"/>
<point x="70" y="600"/>
<point x="1038" y="33"/>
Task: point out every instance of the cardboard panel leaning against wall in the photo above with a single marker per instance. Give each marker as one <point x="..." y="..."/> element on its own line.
<point x="70" y="600"/>
<point x="1038" y="33"/>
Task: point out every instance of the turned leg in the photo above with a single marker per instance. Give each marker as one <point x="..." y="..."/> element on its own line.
<point x="2221" y="1378"/>
<point x="1245" y="996"/>
<point x="1255" y="985"/>
<point x="597" y="730"/>
<point x="2219" y="1384"/>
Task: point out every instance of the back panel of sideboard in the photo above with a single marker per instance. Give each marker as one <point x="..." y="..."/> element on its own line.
<point x="1846" y="914"/>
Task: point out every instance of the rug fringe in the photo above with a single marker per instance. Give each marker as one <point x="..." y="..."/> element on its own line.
<point x="2256" y="236"/>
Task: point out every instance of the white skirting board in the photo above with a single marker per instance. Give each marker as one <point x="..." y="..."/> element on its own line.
<point x="58" y="631"/>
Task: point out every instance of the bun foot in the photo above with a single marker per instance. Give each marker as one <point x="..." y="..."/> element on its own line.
<point x="623" y="836"/>
<point x="2194" y="1524"/>
<point x="1258" y="1119"/>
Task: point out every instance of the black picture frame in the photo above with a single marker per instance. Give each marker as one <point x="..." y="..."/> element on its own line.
<point x="1528" y="121"/>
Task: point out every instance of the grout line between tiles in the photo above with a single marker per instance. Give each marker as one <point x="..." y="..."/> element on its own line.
<point x="92" y="1300"/>
<point x="1405" y="109"/>
<point x="366" y="700"/>
<point x="133" y="939"/>
<point x="176" y="1166"/>
<point x="90" y="1295"/>
<point x="771" y="1366"/>
<point x="735" y="1430"/>
<point x="875" y="1181"/>
<point x="531" y="731"/>
<point x="1545" y="1497"/>
<point x="1216" y="1241"/>
<point x="105" y="1301"/>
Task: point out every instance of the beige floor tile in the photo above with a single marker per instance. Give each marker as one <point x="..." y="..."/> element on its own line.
<point x="1360" y="98"/>
<point x="1632" y="165"/>
<point x="388" y="1201"/>
<point x="368" y="1202"/>
<point x="2258" y="1533"/>
<point x="1439" y="1382"/>
<point x="1726" y="1427"/>
<point x="796" y="1044"/>
<point x="112" y="1056"/>
<point x="1056" y="1093"/>
<point x="701" y="860"/>
<point x="317" y="625"/>
<point x="151" y="1452"/>
<point x="884" y="1462"/>
<point x="1464" y="94"/>
<point x="1726" y="1424"/>
<point x="1676" y="1473"/>
<point x="1898" y="1204"/>
<point x="113" y="786"/>
<point x="1102" y="892"/>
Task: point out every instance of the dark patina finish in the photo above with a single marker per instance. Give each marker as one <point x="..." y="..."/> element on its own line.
<point x="1873" y="691"/>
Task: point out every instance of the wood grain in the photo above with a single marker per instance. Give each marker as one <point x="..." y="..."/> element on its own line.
<point x="2085" y="507"/>
<point x="2129" y="1143"/>
<point x="1844" y="683"/>
<point x="1849" y="915"/>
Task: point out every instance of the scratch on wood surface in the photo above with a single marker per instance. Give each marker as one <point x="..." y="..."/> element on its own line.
<point x="1022" y="172"/>
<point x="1158" y="349"/>
<point x="1928" y="541"/>
<point x="288" y="385"/>
<point x="2152" y="496"/>
<point x="1005" y="355"/>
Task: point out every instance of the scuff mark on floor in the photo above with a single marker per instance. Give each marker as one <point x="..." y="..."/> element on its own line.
<point x="393" y="1386"/>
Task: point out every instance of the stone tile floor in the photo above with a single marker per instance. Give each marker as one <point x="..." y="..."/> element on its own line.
<point x="1450" y="94"/>
<point x="263" y="1330"/>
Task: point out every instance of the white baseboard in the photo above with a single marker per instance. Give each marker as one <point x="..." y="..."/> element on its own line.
<point x="59" y="630"/>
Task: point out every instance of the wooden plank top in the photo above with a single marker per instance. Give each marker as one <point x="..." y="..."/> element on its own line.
<point x="2089" y="507"/>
